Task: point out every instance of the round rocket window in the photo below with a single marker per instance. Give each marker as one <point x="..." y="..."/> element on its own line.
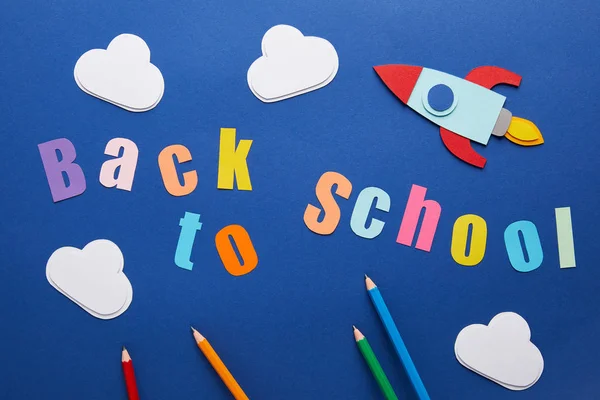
<point x="439" y="100"/>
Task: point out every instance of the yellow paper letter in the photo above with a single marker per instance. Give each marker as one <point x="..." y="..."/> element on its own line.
<point x="233" y="161"/>
<point x="458" y="249"/>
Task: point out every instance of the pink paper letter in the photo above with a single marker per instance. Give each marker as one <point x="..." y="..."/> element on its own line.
<point x="410" y="220"/>
<point x="126" y="164"/>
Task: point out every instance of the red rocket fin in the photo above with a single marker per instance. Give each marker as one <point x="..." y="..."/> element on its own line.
<point x="490" y="76"/>
<point x="460" y="146"/>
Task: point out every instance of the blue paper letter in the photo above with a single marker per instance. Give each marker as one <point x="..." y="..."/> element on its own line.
<point x="532" y="245"/>
<point x="189" y="224"/>
<point x="360" y="215"/>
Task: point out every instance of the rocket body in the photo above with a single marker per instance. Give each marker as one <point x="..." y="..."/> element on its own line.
<point x="468" y="109"/>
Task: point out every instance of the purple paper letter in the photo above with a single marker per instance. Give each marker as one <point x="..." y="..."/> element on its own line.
<point x="54" y="169"/>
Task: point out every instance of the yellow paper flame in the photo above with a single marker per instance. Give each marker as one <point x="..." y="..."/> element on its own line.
<point x="524" y="132"/>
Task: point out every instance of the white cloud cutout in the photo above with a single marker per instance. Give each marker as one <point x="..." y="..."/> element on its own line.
<point x="122" y="74"/>
<point x="291" y="64"/>
<point x="501" y="351"/>
<point x="93" y="278"/>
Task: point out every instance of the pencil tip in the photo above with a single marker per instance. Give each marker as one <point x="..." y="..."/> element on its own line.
<point x="369" y="283"/>
<point x="123" y="349"/>
<point x="193" y="330"/>
<point x="353" y="327"/>
<point x="358" y="334"/>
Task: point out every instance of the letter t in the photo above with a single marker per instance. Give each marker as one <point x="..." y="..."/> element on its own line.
<point x="190" y="224"/>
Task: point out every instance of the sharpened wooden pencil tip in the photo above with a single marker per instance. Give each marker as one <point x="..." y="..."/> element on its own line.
<point x="369" y="283"/>
<point x="353" y="327"/>
<point x="125" y="357"/>
<point x="358" y="335"/>
<point x="123" y="348"/>
<point x="197" y="335"/>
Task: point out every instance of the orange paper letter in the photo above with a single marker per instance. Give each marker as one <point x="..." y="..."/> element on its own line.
<point x="242" y="241"/>
<point x="331" y="210"/>
<point x="169" y="172"/>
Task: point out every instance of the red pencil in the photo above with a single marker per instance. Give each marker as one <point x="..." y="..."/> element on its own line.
<point x="127" y="364"/>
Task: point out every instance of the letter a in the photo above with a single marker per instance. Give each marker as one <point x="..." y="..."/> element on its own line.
<point x="126" y="164"/>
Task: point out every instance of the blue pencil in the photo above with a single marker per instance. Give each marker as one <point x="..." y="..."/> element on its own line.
<point x="392" y="331"/>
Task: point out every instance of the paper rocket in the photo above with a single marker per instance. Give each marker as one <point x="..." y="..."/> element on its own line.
<point x="465" y="109"/>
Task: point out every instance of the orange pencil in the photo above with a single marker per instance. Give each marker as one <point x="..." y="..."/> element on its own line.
<point x="130" y="384"/>
<point x="219" y="367"/>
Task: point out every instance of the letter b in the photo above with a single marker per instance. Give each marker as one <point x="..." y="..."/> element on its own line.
<point x="57" y="170"/>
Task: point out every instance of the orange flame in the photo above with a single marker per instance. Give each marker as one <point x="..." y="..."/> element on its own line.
<point x="524" y="132"/>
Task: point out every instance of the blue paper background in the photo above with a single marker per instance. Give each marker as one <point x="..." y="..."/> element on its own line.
<point x="285" y="329"/>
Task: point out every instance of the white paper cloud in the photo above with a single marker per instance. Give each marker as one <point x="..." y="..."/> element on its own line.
<point x="122" y="74"/>
<point x="291" y="64"/>
<point x="92" y="277"/>
<point x="501" y="351"/>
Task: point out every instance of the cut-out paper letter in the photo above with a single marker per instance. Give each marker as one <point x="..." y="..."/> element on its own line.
<point x="501" y="351"/>
<point x="241" y="239"/>
<point x="122" y="74"/>
<point x="190" y="224"/>
<point x="92" y="278"/>
<point x="410" y="220"/>
<point x="362" y="208"/>
<point x="331" y="210"/>
<point x="532" y="247"/>
<point x="232" y="161"/>
<point x="126" y="164"/>
<point x="460" y="233"/>
<point x="564" y="232"/>
<point x="291" y="64"/>
<point x="57" y="168"/>
<point x="169" y="172"/>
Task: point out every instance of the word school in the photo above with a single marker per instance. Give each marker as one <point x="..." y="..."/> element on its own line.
<point x="523" y="258"/>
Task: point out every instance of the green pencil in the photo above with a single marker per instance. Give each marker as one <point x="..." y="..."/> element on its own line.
<point x="374" y="366"/>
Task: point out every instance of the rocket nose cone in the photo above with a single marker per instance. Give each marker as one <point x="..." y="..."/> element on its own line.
<point x="400" y="79"/>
